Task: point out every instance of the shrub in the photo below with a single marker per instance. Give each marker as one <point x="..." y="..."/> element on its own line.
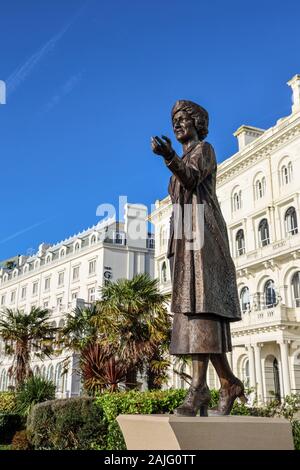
<point x="20" y="441"/>
<point x="73" y="423"/>
<point x="133" y="402"/>
<point x="34" y="390"/>
<point x="10" y="423"/>
<point x="7" y="402"/>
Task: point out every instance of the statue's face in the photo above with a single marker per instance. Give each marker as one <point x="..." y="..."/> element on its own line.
<point x="183" y="126"/>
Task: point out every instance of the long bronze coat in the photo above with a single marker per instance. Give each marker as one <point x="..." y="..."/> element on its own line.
<point x="204" y="280"/>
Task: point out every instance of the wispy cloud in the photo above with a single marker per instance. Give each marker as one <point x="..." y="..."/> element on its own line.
<point x="24" y="230"/>
<point x="65" y="90"/>
<point x="24" y="70"/>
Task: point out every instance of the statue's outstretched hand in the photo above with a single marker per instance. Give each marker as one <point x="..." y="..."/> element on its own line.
<point x="162" y="147"/>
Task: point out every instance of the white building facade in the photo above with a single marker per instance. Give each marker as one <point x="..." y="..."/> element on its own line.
<point x="259" y="193"/>
<point x="69" y="274"/>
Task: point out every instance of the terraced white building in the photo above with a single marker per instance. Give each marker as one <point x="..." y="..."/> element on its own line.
<point x="61" y="276"/>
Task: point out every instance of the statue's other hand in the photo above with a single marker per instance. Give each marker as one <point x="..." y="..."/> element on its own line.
<point x="162" y="147"/>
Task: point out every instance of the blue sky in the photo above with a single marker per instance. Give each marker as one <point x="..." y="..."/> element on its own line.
<point x="89" y="81"/>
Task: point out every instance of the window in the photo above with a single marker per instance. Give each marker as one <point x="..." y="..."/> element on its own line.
<point x="50" y="373"/>
<point x="75" y="274"/>
<point x="48" y="259"/>
<point x="77" y="246"/>
<point x="245" y="299"/>
<point x="164" y="272"/>
<point x="263" y="229"/>
<point x="23" y="293"/>
<point x="59" y="302"/>
<point x="296" y="288"/>
<point x="237" y="201"/>
<point x="92" y="266"/>
<point x="61" y="278"/>
<point x="240" y="242"/>
<point x="35" y="288"/>
<point x="46" y="304"/>
<point x="163" y="237"/>
<point x="63" y="253"/>
<point x="151" y="243"/>
<point x="93" y="240"/>
<point x="270" y="294"/>
<point x="290" y="220"/>
<point x="2" y="299"/>
<point x="47" y="283"/>
<point x="286" y="174"/>
<point x="91" y="294"/>
<point x="13" y="297"/>
<point x="119" y="238"/>
<point x="74" y="295"/>
<point x="260" y="188"/>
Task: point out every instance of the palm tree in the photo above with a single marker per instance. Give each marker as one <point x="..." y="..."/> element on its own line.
<point x="127" y="330"/>
<point x="25" y="333"/>
<point x="80" y="331"/>
<point x="132" y="317"/>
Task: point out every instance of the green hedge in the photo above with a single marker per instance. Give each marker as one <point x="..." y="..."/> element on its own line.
<point x="7" y="402"/>
<point x="133" y="402"/>
<point x="73" y="423"/>
<point x="86" y="423"/>
<point x="10" y="423"/>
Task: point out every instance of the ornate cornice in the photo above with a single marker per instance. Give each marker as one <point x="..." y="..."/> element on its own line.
<point x="235" y="165"/>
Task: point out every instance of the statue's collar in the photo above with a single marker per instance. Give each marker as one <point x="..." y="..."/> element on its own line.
<point x="192" y="147"/>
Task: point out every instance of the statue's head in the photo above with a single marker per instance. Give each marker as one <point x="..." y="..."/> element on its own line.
<point x="189" y="117"/>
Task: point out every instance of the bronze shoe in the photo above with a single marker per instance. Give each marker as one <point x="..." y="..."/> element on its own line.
<point x="227" y="398"/>
<point x="198" y="398"/>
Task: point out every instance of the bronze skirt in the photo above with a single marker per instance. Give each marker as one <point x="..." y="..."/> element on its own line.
<point x="205" y="333"/>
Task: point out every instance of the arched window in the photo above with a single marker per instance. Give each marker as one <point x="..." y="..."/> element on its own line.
<point x="93" y="240"/>
<point x="276" y="379"/>
<point x="263" y="230"/>
<point x="77" y="246"/>
<point x="240" y="242"/>
<point x="43" y="371"/>
<point x="164" y="272"/>
<point x="48" y="259"/>
<point x="246" y="372"/>
<point x="63" y="253"/>
<point x="50" y="375"/>
<point x="58" y="377"/>
<point x="270" y="294"/>
<point x="290" y="219"/>
<point x="245" y="299"/>
<point x="296" y="288"/>
<point x="163" y="237"/>
<point x="260" y="188"/>
<point x="237" y="200"/>
<point x="286" y="174"/>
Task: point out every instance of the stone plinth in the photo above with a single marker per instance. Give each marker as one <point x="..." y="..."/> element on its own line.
<point x="169" y="432"/>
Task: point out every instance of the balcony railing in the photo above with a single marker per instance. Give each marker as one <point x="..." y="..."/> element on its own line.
<point x="268" y="316"/>
<point x="268" y="251"/>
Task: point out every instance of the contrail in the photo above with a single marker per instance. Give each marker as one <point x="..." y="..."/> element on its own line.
<point x="25" y="69"/>
<point x="24" y="230"/>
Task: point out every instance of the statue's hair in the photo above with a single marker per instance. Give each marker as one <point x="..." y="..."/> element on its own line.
<point x="197" y="113"/>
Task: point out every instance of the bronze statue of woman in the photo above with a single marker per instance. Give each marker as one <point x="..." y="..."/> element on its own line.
<point x="204" y="290"/>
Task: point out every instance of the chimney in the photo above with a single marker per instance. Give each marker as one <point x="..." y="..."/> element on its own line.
<point x="294" y="83"/>
<point x="247" y="134"/>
